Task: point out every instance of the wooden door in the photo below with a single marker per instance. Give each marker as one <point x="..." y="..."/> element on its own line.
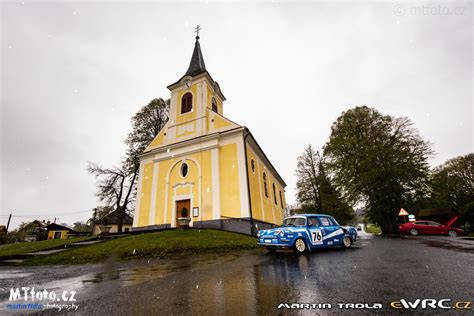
<point x="179" y="206"/>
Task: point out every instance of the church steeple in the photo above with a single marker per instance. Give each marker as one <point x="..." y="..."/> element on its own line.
<point x="197" y="65"/>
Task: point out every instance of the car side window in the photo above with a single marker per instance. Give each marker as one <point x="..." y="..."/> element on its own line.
<point x="325" y="221"/>
<point x="299" y="222"/>
<point x="314" y="221"/>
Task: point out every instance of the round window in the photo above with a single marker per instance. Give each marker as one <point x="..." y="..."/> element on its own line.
<point x="184" y="170"/>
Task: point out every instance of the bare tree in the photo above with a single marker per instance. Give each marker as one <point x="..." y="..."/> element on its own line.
<point x="115" y="187"/>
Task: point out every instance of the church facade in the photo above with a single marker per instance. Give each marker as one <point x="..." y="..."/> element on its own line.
<point x="204" y="168"/>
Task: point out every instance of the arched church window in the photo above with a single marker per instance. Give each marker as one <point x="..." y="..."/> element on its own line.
<point x="214" y="104"/>
<point x="184" y="170"/>
<point x="265" y="184"/>
<point x="274" y="194"/>
<point x="186" y="103"/>
<point x="252" y="165"/>
<point x="281" y="199"/>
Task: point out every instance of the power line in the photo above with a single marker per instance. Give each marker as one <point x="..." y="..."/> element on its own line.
<point x="39" y="214"/>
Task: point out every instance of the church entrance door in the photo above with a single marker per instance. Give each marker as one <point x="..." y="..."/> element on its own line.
<point x="182" y="210"/>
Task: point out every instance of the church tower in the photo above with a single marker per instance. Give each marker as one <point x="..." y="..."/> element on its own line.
<point x="203" y="168"/>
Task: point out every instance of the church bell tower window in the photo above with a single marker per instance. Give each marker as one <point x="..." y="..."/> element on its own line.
<point x="214" y="104"/>
<point x="186" y="103"/>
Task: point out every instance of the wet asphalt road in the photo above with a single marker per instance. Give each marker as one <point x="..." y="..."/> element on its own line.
<point x="375" y="270"/>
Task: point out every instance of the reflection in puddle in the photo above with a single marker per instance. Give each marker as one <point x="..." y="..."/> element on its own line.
<point x="240" y="283"/>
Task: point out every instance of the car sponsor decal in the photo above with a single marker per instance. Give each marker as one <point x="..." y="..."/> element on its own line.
<point x="334" y="233"/>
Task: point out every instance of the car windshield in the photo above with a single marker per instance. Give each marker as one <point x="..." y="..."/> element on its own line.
<point x="294" y="221"/>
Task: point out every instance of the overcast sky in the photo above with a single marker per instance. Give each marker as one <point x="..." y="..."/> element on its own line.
<point x="72" y="75"/>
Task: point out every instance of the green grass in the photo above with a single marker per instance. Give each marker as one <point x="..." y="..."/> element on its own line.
<point x="373" y="229"/>
<point x="25" y="247"/>
<point x="152" y="245"/>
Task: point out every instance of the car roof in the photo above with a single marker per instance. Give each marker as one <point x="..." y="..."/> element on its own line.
<point x="306" y="215"/>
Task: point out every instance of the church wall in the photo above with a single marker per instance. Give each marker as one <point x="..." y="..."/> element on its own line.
<point x="169" y="186"/>
<point x="229" y="181"/>
<point x="272" y="213"/>
<point x="145" y="197"/>
<point x="255" y="189"/>
<point x="163" y="168"/>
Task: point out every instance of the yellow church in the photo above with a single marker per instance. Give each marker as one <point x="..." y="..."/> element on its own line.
<point x="202" y="169"/>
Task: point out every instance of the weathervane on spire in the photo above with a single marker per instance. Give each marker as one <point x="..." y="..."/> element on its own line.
<point x="197" y="29"/>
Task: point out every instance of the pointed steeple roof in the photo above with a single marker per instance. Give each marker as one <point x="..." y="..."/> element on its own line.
<point x="196" y="66"/>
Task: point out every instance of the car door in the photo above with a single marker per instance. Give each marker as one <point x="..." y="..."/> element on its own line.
<point x="315" y="232"/>
<point x="422" y="227"/>
<point x="332" y="233"/>
<point x="436" y="228"/>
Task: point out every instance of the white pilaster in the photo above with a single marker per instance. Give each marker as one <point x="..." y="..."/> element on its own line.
<point x="165" y="206"/>
<point x="216" y="186"/>
<point x="244" y="198"/>
<point x="139" y="194"/>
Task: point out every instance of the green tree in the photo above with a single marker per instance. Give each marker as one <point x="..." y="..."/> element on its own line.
<point x="117" y="185"/>
<point x="314" y="190"/>
<point x="81" y="227"/>
<point x="469" y="214"/>
<point x="453" y="183"/>
<point x="146" y="124"/>
<point x="380" y="161"/>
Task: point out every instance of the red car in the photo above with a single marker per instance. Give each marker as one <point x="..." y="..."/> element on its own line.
<point x="422" y="227"/>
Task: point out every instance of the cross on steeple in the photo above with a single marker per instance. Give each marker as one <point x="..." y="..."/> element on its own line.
<point x="196" y="30"/>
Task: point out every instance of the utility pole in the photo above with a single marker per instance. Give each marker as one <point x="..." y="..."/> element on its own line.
<point x="9" y="218"/>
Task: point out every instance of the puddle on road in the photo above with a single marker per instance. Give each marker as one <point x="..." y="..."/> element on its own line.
<point x="14" y="274"/>
<point x="111" y="274"/>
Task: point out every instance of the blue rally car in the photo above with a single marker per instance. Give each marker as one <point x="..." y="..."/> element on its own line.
<point x="307" y="232"/>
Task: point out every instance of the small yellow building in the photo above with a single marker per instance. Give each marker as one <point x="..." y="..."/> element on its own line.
<point x="56" y="231"/>
<point x="204" y="168"/>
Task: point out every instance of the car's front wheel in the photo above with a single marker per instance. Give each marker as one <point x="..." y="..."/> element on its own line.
<point x="300" y="246"/>
<point x="413" y="232"/>
<point x="346" y="242"/>
<point x="452" y="233"/>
